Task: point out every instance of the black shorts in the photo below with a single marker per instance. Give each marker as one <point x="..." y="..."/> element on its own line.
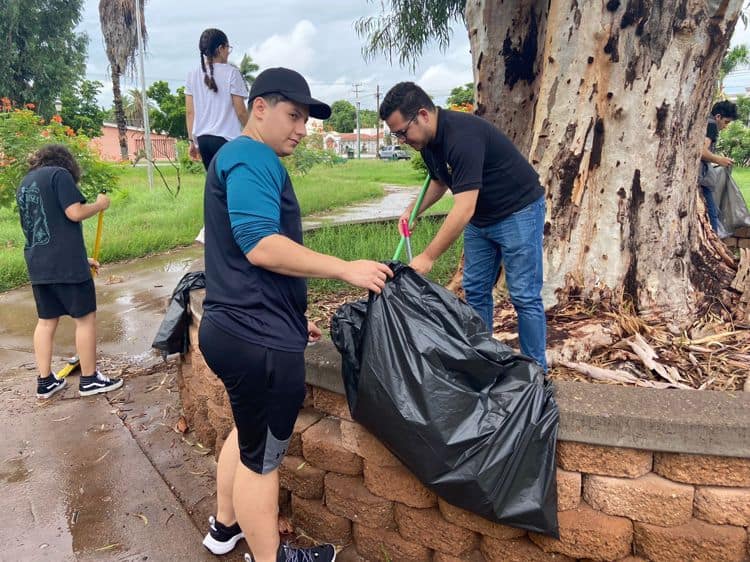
<point x="266" y="388"/>
<point x="64" y="299"/>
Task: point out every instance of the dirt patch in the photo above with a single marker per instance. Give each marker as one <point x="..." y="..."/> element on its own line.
<point x="712" y="354"/>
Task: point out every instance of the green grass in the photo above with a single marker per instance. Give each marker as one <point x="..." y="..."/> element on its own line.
<point x="142" y="221"/>
<point x="378" y="241"/>
<point x="325" y="188"/>
<point x="742" y="178"/>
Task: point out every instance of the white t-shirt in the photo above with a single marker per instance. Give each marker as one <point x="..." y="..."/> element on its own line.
<point x="214" y="112"/>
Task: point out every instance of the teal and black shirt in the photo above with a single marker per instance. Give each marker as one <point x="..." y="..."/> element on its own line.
<point x="249" y="196"/>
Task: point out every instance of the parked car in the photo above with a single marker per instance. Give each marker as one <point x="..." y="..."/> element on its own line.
<point x="394" y="152"/>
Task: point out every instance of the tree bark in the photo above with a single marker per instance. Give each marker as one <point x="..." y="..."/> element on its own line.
<point x="119" y="113"/>
<point x="610" y="103"/>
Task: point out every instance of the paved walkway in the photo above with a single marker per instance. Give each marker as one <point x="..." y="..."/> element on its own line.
<point x="75" y="485"/>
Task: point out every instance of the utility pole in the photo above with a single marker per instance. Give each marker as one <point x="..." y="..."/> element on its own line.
<point x="377" y="120"/>
<point x="144" y="98"/>
<point x="356" y="95"/>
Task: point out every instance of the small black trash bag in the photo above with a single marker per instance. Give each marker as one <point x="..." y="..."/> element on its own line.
<point x="172" y="336"/>
<point x="474" y="421"/>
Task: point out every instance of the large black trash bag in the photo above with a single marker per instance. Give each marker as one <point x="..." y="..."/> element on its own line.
<point x="172" y="336"/>
<point x="474" y="421"/>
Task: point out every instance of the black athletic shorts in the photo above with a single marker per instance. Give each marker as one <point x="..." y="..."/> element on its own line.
<point x="266" y="388"/>
<point x="64" y="299"/>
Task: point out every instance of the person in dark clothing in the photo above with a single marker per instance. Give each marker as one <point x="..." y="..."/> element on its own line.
<point x="253" y="332"/>
<point x="722" y="114"/>
<point x="498" y="205"/>
<point x="51" y="209"/>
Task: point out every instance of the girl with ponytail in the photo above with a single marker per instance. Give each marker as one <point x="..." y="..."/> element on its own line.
<point x="215" y="98"/>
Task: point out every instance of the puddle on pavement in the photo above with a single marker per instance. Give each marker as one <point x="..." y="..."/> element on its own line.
<point x="14" y="470"/>
<point x="177" y="266"/>
<point x="128" y="312"/>
<point x="132" y="296"/>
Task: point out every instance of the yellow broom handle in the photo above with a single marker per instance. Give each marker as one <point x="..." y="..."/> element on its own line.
<point x="98" y="239"/>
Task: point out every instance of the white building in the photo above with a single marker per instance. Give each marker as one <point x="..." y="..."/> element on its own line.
<point x="370" y="140"/>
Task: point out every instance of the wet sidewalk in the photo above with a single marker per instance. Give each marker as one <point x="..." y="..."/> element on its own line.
<point x="107" y="477"/>
<point x="75" y="485"/>
<point x="131" y="296"/>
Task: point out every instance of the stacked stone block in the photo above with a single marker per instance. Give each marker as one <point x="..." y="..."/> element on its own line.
<point x="615" y="504"/>
<point x="739" y="239"/>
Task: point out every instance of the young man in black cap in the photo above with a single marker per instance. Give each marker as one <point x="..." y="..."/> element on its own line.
<point x="253" y="332"/>
<point x="498" y="205"/>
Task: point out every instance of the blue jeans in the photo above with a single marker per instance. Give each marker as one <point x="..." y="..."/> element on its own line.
<point x="711" y="209"/>
<point x="516" y="243"/>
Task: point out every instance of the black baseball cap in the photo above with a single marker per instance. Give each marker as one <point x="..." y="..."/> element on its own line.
<point x="291" y="85"/>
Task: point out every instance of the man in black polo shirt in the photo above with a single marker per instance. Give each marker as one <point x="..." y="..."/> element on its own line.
<point x="253" y="331"/>
<point x="498" y="204"/>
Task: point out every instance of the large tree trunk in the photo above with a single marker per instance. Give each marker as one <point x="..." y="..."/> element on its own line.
<point x="119" y="113"/>
<point x="609" y="100"/>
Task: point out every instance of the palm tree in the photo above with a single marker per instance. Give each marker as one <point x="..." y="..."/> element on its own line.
<point x="248" y="69"/>
<point x="118" y="22"/>
<point x="132" y="107"/>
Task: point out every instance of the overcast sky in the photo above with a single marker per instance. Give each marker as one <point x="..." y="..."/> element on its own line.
<point x="739" y="81"/>
<point x="314" y="37"/>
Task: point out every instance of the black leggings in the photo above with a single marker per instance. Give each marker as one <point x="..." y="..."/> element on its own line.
<point x="208" y="146"/>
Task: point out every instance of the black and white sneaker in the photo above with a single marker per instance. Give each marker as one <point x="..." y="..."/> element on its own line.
<point x="220" y="538"/>
<point x="96" y="384"/>
<point x="320" y="553"/>
<point x="47" y="386"/>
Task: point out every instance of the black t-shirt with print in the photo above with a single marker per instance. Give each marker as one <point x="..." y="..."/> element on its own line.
<point x="470" y="153"/>
<point x="54" y="250"/>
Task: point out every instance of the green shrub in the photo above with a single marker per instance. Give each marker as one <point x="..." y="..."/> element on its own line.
<point x="734" y="141"/>
<point x="187" y="164"/>
<point x="417" y="162"/>
<point x="23" y="132"/>
<point x="307" y="154"/>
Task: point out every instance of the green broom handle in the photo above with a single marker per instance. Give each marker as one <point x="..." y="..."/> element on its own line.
<point x="413" y="216"/>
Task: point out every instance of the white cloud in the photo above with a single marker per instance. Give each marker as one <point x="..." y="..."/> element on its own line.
<point x="340" y="89"/>
<point x="439" y="79"/>
<point x="295" y="50"/>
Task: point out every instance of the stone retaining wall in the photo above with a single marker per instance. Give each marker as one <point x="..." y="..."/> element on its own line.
<point x="739" y="239"/>
<point x="671" y="483"/>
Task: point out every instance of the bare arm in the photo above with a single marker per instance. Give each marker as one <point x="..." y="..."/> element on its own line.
<point x="78" y="212"/>
<point x="434" y="192"/>
<point x="189" y="115"/>
<point x="464" y="204"/>
<point x="240" y="108"/>
<point x="459" y="216"/>
<point x="708" y="156"/>
<point x="279" y="254"/>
